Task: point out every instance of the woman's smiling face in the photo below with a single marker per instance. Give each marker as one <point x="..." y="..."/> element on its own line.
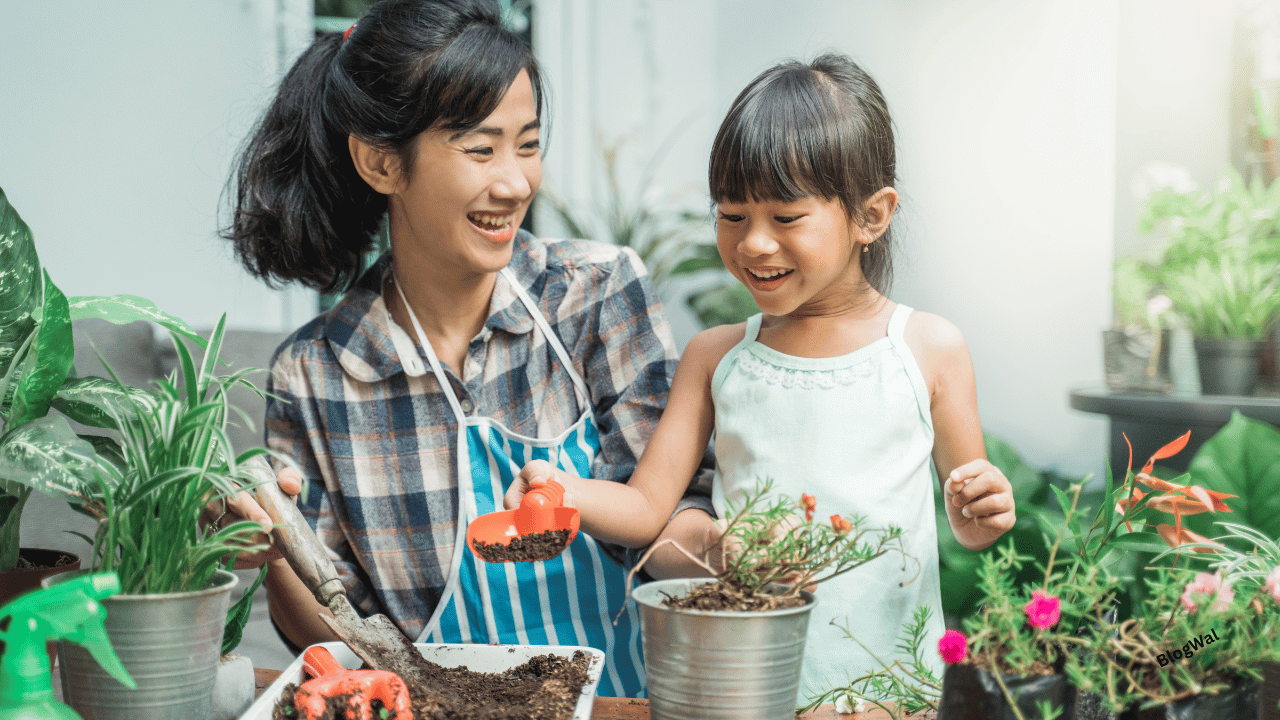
<point x="469" y="190"/>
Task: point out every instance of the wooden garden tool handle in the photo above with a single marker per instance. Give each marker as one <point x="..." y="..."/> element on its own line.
<point x="295" y="538"/>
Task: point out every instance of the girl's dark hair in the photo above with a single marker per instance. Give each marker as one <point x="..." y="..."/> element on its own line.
<point x="818" y="129"/>
<point x="302" y="212"/>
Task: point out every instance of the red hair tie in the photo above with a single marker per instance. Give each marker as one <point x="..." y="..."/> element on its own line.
<point x="347" y="34"/>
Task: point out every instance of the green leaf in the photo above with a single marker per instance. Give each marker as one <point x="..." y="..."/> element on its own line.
<point x="55" y="353"/>
<point x="97" y="402"/>
<point x="238" y="615"/>
<point x="124" y="309"/>
<point x="704" y="257"/>
<point x="20" y="291"/>
<point x="45" y="454"/>
<point x="1243" y="459"/>
<point x="10" y="520"/>
<point x="724" y="304"/>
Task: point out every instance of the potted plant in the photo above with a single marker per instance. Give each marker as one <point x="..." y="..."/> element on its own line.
<point x="148" y="494"/>
<point x="36" y="357"/>
<point x="1220" y="266"/>
<point x="731" y="645"/>
<point x="1135" y="350"/>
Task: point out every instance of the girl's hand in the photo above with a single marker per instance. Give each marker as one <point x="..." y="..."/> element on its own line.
<point x="534" y="474"/>
<point x="979" y="501"/>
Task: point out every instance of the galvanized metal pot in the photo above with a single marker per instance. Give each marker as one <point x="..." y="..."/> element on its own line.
<point x="169" y="643"/>
<point x="704" y="665"/>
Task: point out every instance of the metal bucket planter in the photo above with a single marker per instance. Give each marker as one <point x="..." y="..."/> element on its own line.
<point x="705" y="665"/>
<point x="1228" y="366"/>
<point x="170" y="645"/>
<point x="971" y="693"/>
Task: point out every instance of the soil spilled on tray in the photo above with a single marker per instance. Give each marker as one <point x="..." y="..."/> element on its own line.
<point x="546" y="687"/>
<point x="524" y="548"/>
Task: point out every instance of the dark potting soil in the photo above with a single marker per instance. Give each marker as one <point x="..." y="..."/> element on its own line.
<point x="724" y="595"/>
<point x="41" y="561"/>
<point x="546" y="687"/>
<point x="525" y="548"/>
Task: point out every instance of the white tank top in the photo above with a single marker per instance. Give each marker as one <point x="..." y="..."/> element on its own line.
<point x="854" y="431"/>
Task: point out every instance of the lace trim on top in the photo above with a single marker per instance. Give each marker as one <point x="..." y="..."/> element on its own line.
<point x="759" y="367"/>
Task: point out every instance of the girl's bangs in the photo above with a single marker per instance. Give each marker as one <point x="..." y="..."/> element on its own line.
<point x="773" y="145"/>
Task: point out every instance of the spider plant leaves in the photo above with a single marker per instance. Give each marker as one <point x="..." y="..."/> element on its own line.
<point x="46" y="454"/>
<point x="124" y="309"/>
<point x="49" y="365"/>
<point x="20" y="290"/>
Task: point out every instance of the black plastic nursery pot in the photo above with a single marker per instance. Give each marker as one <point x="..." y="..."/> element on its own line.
<point x="971" y="693"/>
<point x="1238" y="704"/>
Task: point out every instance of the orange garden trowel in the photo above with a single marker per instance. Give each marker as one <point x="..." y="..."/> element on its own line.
<point x="540" y="529"/>
<point x="353" y="689"/>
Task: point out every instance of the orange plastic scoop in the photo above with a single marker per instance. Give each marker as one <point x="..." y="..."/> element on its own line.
<point x="524" y="533"/>
<point x="357" y="688"/>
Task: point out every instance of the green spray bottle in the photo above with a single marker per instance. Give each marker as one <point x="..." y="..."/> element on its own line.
<point x="68" y="610"/>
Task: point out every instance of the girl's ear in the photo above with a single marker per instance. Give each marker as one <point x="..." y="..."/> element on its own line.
<point x="378" y="167"/>
<point x="877" y="211"/>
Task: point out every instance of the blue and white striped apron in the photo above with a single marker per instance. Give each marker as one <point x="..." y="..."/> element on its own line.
<point x="570" y="600"/>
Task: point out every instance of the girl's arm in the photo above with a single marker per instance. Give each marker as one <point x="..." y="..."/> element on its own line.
<point x="978" y="497"/>
<point x="634" y="514"/>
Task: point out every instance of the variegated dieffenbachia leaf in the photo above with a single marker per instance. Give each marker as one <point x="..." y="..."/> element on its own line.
<point x="54" y="354"/>
<point x="96" y="401"/>
<point x="47" y="455"/>
<point x="20" y="291"/>
<point x="124" y="309"/>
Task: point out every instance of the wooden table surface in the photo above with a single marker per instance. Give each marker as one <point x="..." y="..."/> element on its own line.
<point x="630" y="709"/>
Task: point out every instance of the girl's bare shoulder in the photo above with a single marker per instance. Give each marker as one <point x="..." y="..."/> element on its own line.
<point x="708" y="347"/>
<point x="938" y="345"/>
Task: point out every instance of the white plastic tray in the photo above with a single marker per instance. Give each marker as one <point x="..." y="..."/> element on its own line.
<point x="480" y="658"/>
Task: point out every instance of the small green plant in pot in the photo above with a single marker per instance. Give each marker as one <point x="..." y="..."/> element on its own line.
<point x="1136" y="348"/>
<point x="1220" y="266"/>
<point x="149" y="491"/>
<point x="731" y="646"/>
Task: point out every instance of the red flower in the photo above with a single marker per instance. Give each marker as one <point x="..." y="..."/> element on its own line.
<point x="840" y="525"/>
<point x="808" y="502"/>
<point x="1043" y="610"/>
<point x="953" y="647"/>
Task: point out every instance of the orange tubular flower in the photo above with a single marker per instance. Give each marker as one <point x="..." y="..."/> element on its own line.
<point x="1177" y="500"/>
<point x="808" y="502"/>
<point x="840" y="525"/>
<point x="1176" y="536"/>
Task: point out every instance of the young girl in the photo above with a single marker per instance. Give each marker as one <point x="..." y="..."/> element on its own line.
<point x="834" y="389"/>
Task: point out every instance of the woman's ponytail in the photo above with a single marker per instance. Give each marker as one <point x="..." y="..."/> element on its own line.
<point x="302" y="213"/>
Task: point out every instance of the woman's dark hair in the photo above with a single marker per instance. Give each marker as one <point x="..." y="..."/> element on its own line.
<point x="818" y="129"/>
<point x="302" y="212"/>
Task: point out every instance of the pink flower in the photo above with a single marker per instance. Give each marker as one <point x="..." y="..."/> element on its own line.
<point x="953" y="647"/>
<point x="1043" y="610"/>
<point x="1272" y="585"/>
<point x="1206" y="585"/>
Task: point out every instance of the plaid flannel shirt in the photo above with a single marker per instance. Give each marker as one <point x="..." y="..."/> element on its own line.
<point x="376" y="440"/>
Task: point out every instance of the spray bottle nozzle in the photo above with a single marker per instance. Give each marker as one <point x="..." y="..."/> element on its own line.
<point x="67" y="610"/>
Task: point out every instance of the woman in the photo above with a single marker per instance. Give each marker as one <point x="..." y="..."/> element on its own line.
<point x="468" y="349"/>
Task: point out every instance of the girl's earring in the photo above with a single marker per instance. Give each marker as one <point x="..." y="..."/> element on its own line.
<point x="866" y="247"/>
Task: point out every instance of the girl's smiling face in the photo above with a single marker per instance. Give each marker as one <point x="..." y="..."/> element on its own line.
<point x="469" y="190"/>
<point x="798" y="257"/>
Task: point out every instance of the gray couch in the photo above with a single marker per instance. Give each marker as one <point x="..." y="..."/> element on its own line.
<point x="138" y="355"/>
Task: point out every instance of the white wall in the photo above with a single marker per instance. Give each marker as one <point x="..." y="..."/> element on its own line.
<point x="120" y="121"/>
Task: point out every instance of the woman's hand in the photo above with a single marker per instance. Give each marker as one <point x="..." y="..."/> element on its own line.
<point x="535" y="474"/>
<point x="979" y="501"/>
<point x="242" y="506"/>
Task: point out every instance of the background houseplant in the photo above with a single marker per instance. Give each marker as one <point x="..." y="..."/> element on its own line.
<point x="673" y="241"/>
<point x="1220" y="265"/>
<point x="1136" y="348"/>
